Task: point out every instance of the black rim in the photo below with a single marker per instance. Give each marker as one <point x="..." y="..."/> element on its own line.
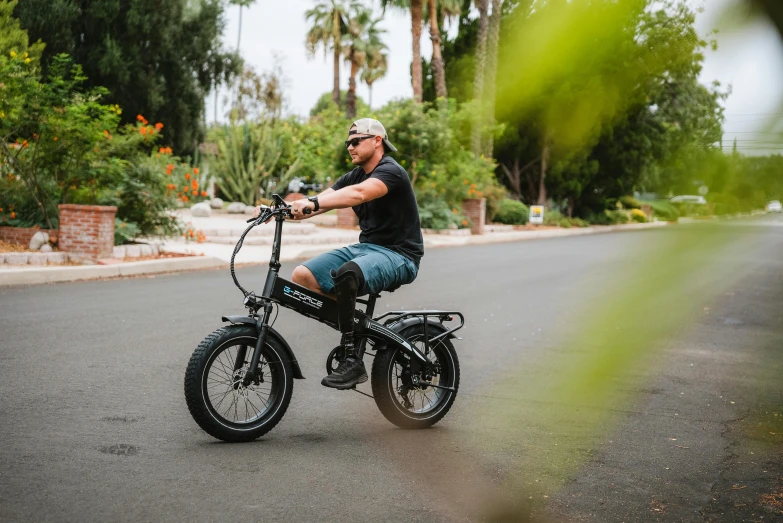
<point x="421" y="401"/>
<point x="227" y="399"/>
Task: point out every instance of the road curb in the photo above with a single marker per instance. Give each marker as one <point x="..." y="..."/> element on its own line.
<point x="37" y="275"/>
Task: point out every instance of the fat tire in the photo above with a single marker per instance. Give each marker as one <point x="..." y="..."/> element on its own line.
<point x="382" y="387"/>
<point x="197" y="403"/>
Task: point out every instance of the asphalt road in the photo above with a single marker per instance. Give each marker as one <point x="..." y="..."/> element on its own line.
<point x="682" y="422"/>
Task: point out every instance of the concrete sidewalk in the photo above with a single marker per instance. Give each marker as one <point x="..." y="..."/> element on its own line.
<point x="300" y="241"/>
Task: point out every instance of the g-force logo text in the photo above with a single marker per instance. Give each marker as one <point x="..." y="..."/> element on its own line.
<point x="301" y="297"/>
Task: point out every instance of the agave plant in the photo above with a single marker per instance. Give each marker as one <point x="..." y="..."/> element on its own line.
<point x="246" y="165"/>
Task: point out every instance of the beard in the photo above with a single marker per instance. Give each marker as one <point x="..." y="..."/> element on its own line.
<point x="361" y="157"/>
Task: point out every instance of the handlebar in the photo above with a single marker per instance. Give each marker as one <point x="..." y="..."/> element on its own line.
<point x="280" y="209"/>
<point x="269" y="212"/>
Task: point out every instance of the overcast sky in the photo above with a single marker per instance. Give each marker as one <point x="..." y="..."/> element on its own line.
<point x="750" y="60"/>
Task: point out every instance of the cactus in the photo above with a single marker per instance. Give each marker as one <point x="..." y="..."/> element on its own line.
<point x="246" y="165"/>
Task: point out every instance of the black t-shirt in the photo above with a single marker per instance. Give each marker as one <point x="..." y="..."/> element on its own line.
<point x="391" y="221"/>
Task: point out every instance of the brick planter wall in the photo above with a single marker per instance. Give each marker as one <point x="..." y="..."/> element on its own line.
<point x="87" y="230"/>
<point x="22" y="235"/>
<point x="476" y="210"/>
<point x="347" y="218"/>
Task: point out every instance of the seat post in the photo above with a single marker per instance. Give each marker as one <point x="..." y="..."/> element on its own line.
<point x="370" y="310"/>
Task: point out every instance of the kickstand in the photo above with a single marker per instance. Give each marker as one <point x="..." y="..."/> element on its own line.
<point x="363" y="393"/>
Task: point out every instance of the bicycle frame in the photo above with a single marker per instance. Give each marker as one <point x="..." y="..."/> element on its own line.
<point x="278" y="290"/>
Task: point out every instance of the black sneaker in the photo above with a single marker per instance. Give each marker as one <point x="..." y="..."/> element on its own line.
<point x="347" y="375"/>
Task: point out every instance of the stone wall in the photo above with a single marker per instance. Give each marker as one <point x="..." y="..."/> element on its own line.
<point x="87" y="230"/>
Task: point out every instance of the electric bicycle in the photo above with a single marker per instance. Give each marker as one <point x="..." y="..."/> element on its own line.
<point x="239" y="380"/>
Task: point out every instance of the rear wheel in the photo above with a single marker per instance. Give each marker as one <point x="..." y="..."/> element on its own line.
<point x="410" y="401"/>
<point x="218" y="400"/>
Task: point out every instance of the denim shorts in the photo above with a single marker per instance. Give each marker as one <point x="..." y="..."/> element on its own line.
<point x="382" y="268"/>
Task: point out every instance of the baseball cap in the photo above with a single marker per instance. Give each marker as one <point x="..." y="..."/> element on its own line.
<point x="374" y="127"/>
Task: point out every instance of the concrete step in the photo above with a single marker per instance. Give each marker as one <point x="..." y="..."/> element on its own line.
<point x="261" y="230"/>
<point x="497" y="227"/>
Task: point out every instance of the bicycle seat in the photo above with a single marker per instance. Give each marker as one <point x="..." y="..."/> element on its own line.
<point x="390" y="289"/>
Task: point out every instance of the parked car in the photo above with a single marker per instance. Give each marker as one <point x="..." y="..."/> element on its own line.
<point x="774" y="206"/>
<point x="690" y="199"/>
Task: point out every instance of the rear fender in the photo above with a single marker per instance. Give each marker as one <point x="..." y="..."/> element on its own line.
<point x="297" y="372"/>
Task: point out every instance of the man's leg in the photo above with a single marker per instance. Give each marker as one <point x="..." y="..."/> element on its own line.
<point x="348" y="280"/>
<point x="302" y="276"/>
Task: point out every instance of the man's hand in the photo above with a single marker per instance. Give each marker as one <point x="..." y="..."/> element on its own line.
<point x="298" y="207"/>
<point x="257" y="212"/>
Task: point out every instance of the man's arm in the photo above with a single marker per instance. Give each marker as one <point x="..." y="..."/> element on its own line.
<point x="349" y="196"/>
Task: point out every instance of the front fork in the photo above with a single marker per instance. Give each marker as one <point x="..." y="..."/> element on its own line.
<point x="263" y="327"/>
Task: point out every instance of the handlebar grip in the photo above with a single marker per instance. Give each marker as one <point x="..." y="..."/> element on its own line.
<point x="307" y="210"/>
<point x="251" y="220"/>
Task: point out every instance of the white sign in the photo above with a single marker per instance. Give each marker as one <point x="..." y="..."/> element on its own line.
<point x="537" y="214"/>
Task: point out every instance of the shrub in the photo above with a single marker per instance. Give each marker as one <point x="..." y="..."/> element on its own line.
<point x="616" y="217"/>
<point x="638" y="215"/>
<point x="124" y="232"/>
<point x="629" y="202"/>
<point x="512" y="212"/>
<point x="436" y="214"/>
<point x="664" y="210"/>
<point x="552" y="217"/>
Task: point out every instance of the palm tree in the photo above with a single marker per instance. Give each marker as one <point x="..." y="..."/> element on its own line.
<point x="415" y="7"/>
<point x="447" y="8"/>
<point x="329" y="22"/>
<point x="493" y="41"/>
<point x="375" y="67"/>
<point x="478" y="78"/>
<point x="364" y="37"/>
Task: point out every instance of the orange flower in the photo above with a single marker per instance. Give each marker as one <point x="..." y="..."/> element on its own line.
<point x="204" y="193"/>
<point x="141" y="119"/>
<point x="13" y="215"/>
<point x="107" y="134"/>
<point x="187" y="176"/>
<point x="186" y="188"/>
<point x="195" y="193"/>
<point x="143" y="130"/>
<point x="54" y="139"/>
<point x="194" y="184"/>
<point x="170" y="186"/>
<point x="184" y="198"/>
<point x="464" y="222"/>
<point x="24" y="144"/>
<point x="158" y="126"/>
<point x="195" y="170"/>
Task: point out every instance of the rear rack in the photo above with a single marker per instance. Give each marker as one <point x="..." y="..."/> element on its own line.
<point x="442" y="316"/>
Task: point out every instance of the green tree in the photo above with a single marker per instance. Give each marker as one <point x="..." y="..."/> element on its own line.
<point x="156" y="58"/>
<point x="328" y="24"/>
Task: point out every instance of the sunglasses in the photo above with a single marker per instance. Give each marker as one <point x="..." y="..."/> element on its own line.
<point x="355" y="141"/>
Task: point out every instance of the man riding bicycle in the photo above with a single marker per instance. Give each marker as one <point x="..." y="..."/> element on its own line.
<point x="390" y="244"/>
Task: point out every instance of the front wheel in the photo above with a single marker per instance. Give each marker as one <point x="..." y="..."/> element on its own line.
<point x="217" y="398"/>
<point x="401" y="397"/>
